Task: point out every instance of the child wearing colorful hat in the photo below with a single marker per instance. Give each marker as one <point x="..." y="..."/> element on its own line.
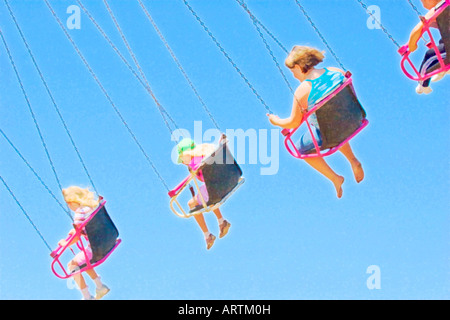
<point x="191" y="155"/>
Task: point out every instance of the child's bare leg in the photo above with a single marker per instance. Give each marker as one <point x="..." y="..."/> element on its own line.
<point x="101" y="289"/>
<point x="92" y="274"/>
<point x="218" y="215"/>
<point x="200" y="219"/>
<point x="320" y="165"/>
<point x="79" y="280"/>
<point x="201" y="222"/>
<point x="358" y="171"/>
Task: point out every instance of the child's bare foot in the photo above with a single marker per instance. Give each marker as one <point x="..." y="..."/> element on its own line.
<point x="338" y="185"/>
<point x="358" y="172"/>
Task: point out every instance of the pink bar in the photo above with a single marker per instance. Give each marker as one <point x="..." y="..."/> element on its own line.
<point x="174" y="192"/>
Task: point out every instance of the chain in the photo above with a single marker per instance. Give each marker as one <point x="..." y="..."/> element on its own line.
<point x="320" y="35"/>
<point x="227" y="56"/>
<point x="379" y="23"/>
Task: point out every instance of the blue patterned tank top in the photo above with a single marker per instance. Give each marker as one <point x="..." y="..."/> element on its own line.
<point x="321" y="87"/>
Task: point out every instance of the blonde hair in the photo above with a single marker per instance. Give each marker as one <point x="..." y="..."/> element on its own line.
<point x="83" y="197"/>
<point x="306" y="57"/>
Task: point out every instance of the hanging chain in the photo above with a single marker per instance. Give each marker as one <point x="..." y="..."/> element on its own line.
<point x="166" y="44"/>
<point x="149" y="90"/>
<point x="379" y="23"/>
<point x="36" y="124"/>
<point x="227" y="56"/>
<point x="255" y="23"/>
<point x="106" y="95"/>
<point x="164" y="114"/>
<point x="51" y="96"/>
<point x="35" y="173"/>
<point x="415" y="8"/>
<point x="320" y="35"/>
<point x="25" y="213"/>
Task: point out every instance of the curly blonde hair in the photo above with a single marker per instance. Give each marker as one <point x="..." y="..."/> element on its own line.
<point x="306" y="57"/>
<point x="83" y="197"/>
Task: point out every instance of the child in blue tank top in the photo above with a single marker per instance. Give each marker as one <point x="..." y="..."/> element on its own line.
<point x="315" y="85"/>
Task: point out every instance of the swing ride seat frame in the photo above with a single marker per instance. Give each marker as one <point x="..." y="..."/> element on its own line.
<point x="211" y="205"/>
<point x="444" y="62"/>
<point x="323" y="151"/>
<point x="79" y="233"/>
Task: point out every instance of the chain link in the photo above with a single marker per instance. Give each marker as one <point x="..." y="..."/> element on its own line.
<point x="415" y="8"/>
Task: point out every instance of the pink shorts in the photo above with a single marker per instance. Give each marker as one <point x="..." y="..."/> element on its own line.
<point x="80" y="258"/>
<point x="204" y="193"/>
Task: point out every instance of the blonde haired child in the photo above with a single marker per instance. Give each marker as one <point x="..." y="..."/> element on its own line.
<point x="82" y="202"/>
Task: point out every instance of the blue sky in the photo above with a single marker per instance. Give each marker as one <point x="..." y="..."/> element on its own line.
<point x="290" y="238"/>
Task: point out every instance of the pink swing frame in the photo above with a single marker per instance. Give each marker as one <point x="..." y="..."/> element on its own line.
<point x="405" y="53"/>
<point x="58" y="252"/>
<point x="289" y="143"/>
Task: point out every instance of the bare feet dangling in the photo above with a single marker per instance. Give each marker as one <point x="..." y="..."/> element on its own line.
<point x="358" y="172"/>
<point x="338" y="185"/>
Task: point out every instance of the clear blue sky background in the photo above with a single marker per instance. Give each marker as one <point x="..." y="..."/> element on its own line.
<point x="291" y="238"/>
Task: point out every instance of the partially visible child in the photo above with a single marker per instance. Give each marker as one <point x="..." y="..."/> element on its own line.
<point x="424" y="87"/>
<point x="191" y="155"/>
<point x="82" y="202"/>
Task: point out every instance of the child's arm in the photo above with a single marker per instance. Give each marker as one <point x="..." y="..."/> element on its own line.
<point x="299" y="107"/>
<point x="64" y="242"/>
<point x="201" y="150"/>
<point x="416" y="33"/>
<point x="414" y="37"/>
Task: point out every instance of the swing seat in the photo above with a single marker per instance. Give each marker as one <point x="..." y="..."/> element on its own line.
<point x="102" y="235"/>
<point x="340" y="117"/>
<point x="222" y="177"/>
<point x="441" y="62"/>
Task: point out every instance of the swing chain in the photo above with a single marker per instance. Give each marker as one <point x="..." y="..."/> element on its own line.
<point x="255" y="23"/>
<point x="379" y="23"/>
<point x="320" y="35"/>
<point x="25" y="213"/>
<point x="227" y="56"/>
<point x="415" y="8"/>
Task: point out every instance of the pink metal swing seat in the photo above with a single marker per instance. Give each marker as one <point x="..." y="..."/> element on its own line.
<point x="340" y="117"/>
<point x="442" y="17"/>
<point x="102" y="235"/>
